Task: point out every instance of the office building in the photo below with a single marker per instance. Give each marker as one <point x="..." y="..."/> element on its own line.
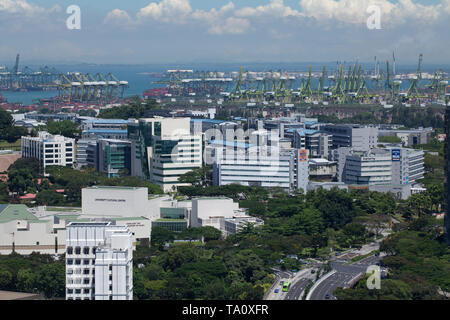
<point x="86" y="153"/>
<point x="407" y="166"/>
<point x="409" y="137"/>
<point x="360" y="138"/>
<point x="163" y="149"/>
<point x="113" y="157"/>
<point x="318" y="143"/>
<point x="367" y="168"/>
<point x="104" y="129"/>
<point x="99" y="262"/>
<point x="50" y="150"/>
<point x="286" y="168"/>
<point x="322" y="169"/>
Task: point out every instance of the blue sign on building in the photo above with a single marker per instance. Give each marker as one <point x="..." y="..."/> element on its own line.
<point x="396" y="154"/>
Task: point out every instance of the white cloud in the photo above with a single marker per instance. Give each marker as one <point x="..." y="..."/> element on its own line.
<point x="354" y="11"/>
<point x="20" y="7"/>
<point x="231" y="25"/>
<point x="275" y="8"/>
<point x="232" y="20"/>
<point x="119" y="17"/>
<point x="175" y="11"/>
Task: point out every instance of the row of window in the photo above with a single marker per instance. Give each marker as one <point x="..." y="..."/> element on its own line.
<point x="78" y="261"/>
<point x="78" y="291"/>
<point x="77" y="250"/>
<point x="78" y="281"/>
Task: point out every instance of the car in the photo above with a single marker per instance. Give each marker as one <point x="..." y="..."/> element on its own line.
<point x="313" y="271"/>
<point x="294" y="270"/>
<point x="327" y="296"/>
<point x="377" y="254"/>
<point x="277" y="290"/>
<point x="281" y="282"/>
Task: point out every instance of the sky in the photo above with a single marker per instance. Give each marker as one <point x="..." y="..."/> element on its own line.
<point x="224" y="31"/>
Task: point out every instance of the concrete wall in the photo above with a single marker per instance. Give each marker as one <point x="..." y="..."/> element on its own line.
<point x="205" y="209"/>
<point x="115" y="201"/>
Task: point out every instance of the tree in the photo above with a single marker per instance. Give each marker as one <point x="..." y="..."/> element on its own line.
<point x="26" y="280"/>
<point x="5" y="279"/>
<point x="65" y="128"/>
<point x="51" y="280"/>
<point x="196" y="177"/>
<point x="49" y="198"/>
<point x="31" y="164"/>
<point x="160" y="236"/>
<point x="8" y="131"/>
<point x="12" y="134"/>
<point x="20" y="180"/>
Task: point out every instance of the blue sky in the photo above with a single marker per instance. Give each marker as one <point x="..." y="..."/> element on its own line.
<point x="184" y="31"/>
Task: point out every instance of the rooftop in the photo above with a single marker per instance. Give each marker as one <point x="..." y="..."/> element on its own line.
<point x="11" y="212"/>
<point x="115" y="131"/>
<point x="115" y="187"/>
<point x="116" y="121"/>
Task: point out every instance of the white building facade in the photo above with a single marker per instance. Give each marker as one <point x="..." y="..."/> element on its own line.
<point x="286" y="168"/>
<point x="99" y="262"/>
<point x="50" y="150"/>
<point x="163" y="149"/>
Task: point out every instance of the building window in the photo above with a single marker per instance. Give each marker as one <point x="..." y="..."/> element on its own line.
<point x="86" y="250"/>
<point x="86" y="271"/>
<point x="69" y="291"/>
<point x="110" y="287"/>
<point x="78" y="261"/>
<point x="77" y="291"/>
<point x="93" y="250"/>
<point x="70" y="261"/>
<point x="86" y="261"/>
<point x="86" y="281"/>
<point x="77" y="250"/>
<point x="110" y="268"/>
<point x="110" y="297"/>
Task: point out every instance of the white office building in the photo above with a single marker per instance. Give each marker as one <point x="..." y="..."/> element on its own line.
<point x="368" y="168"/>
<point x="284" y="168"/>
<point x="360" y="138"/>
<point x="99" y="262"/>
<point x="50" y="150"/>
<point x="163" y="149"/>
<point x="407" y="165"/>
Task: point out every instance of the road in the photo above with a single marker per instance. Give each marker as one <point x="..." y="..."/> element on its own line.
<point x="295" y="292"/>
<point x="298" y="281"/>
<point x="344" y="275"/>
